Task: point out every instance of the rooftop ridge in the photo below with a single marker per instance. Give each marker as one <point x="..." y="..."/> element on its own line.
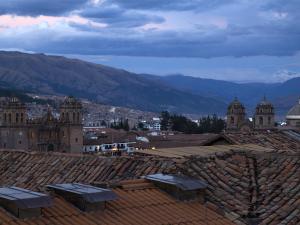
<point x="252" y="185"/>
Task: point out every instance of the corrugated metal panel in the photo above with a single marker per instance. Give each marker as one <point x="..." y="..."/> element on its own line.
<point x="87" y="192"/>
<point x="182" y="182"/>
<point x="25" y="199"/>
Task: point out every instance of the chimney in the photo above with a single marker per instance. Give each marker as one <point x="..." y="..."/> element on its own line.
<point x="181" y="187"/>
<point x="23" y="203"/>
<point x="85" y="197"/>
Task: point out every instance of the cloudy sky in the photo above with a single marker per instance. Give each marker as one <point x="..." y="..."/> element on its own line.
<point x="239" y="40"/>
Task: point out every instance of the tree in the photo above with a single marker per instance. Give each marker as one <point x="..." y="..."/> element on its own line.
<point x="103" y="123"/>
<point x="140" y="125"/>
<point x="165" y="120"/>
<point x="183" y="124"/>
<point x="211" y="124"/>
<point x="208" y="124"/>
<point x="123" y="124"/>
<point x="126" y="125"/>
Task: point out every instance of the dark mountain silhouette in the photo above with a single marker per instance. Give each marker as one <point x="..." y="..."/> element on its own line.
<point x="176" y="93"/>
<point x="283" y="95"/>
<point x="59" y="75"/>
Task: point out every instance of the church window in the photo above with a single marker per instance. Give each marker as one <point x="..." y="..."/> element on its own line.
<point x="269" y="120"/>
<point x="76" y="139"/>
<point x="232" y="120"/>
<point x="17" y="117"/>
<point x="20" y="142"/>
<point x="22" y="117"/>
<point x="78" y="117"/>
<point x="67" y="116"/>
<point x="9" y="117"/>
<point x="5" y="117"/>
<point x="261" y="121"/>
<point x="73" y="116"/>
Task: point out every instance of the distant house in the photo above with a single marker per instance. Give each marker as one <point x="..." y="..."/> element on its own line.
<point x="97" y="146"/>
<point x="152" y="125"/>
<point x="109" y="142"/>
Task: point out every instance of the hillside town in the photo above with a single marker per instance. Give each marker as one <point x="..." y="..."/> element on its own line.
<point x="246" y="174"/>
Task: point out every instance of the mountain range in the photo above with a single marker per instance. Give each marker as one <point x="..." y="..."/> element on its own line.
<point x="44" y="74"/>
<point x="282" y="95"/>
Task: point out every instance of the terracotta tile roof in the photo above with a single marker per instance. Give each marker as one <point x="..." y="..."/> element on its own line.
<point x="248" y="184"/>
<point x="200" y="150"/>
<point x="277" y="140"/>
<point x="33" y="170"/>
<point x="142" y="204"/>
<point x="241" y="183"/>
<point x="180" y="140"/>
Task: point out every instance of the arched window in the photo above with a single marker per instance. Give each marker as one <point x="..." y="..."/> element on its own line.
<point x="5" y="119"/>
<point x="269" y="120"/>
<point x="232" y="120"/>
<point x="261" y="120"/>
<point x="9" y="117"/>
<point x="74" y="116"/>
<point x="22" y="117"/>
<point x="17" y="117"/>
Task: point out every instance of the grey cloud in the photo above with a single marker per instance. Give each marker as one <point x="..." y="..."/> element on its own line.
<point x="39" y="7"/>
<point x="277" y="38"/>
<point x="160" y="44"/>
<point x="116" y="16"/>
<point x="282" y="5"/>
<point x="177" y="5"/>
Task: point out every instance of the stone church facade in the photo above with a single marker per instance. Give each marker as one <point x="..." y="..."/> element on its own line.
<point x="263" y="119"/>
<point x="63" y="134"/>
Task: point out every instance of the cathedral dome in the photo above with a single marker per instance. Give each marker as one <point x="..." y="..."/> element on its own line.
<point x="294" y="112"/>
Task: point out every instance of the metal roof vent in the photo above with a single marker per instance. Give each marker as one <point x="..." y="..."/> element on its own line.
<point x="23" y="203"/>
<point x="85" y="197"/>
<point x="181" y="187"/>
